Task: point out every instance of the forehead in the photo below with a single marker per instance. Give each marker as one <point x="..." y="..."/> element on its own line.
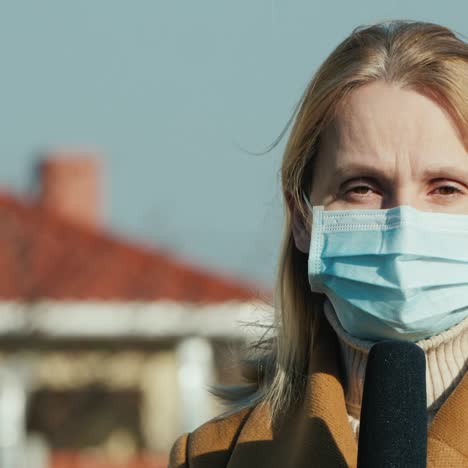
<point x="381" y="122"/>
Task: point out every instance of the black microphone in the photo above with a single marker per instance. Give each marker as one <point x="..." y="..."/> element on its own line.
<point x="393" y="423"/>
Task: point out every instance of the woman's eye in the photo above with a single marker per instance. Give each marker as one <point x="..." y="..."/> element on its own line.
<point x="360" y="189"/>
<point x="448" y="190"/>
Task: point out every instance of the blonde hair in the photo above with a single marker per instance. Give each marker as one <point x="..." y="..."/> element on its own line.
<point x="422" y="56"/>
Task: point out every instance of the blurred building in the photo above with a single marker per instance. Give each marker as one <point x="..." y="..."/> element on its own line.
<point x="106" y="346"/>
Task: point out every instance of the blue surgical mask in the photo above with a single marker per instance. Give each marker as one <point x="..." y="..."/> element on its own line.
<point x="396" y="273"/>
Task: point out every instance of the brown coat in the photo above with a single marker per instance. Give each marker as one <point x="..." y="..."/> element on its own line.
<point x="318" y="434"/>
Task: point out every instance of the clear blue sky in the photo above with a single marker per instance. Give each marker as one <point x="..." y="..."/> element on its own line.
<point x="170" y="91"/>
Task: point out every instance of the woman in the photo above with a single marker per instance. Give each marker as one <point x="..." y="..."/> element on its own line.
<point x="380" y="139"/>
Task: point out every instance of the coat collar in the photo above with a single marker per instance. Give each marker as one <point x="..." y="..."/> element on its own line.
<point x="448" y="433"/>
<point x="319" y="428"/>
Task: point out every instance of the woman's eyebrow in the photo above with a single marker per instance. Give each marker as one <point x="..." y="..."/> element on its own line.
<point x="429" y="172"/>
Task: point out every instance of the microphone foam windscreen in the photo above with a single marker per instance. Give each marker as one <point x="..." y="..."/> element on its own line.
<point x="393" y="424"/>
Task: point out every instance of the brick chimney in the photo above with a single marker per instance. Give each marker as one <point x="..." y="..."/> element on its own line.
<point x="70" y="185"/>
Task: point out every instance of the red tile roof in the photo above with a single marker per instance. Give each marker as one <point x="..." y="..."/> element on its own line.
<point x="44" y="256"/>
<point x="69" y="459"/>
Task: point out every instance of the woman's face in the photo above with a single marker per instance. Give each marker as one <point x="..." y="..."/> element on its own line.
<point x="388" y="147"/>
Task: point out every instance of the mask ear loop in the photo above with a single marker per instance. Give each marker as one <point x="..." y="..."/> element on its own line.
<point x="306" y="199"/>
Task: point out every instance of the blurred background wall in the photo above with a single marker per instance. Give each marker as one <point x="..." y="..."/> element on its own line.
<point x="137" y="227"/>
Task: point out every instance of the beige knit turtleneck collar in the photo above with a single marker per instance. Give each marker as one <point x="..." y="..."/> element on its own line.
<point x="446" y="363"/>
